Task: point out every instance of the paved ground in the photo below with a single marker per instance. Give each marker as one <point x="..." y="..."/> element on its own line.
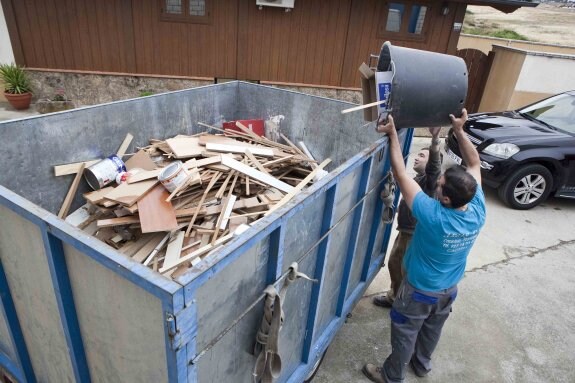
<point x="513" y="318"/>
<point x="9" y="113"/>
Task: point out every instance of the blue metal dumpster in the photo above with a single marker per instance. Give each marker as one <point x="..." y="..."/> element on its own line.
<point x="75" y="309"/>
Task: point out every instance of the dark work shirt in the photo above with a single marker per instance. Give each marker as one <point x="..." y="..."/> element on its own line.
<point x="428" y="183"/>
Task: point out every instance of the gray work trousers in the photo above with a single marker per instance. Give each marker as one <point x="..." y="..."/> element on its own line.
<point x="417" y="318"/>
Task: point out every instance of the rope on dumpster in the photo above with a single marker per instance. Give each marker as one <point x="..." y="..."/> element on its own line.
<point x="215" y="340"/>
<point x="268" y="363"/>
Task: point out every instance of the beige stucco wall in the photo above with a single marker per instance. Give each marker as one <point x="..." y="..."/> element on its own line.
<point x="502" y="79"/>
<point x="485" y="44"/>
<point x="6" y="54"/>
<point x="519" y="77"/>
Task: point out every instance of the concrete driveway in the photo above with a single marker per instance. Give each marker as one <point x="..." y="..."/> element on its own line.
<point x="514" y="318"/>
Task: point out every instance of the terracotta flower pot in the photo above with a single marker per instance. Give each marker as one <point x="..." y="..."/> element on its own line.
<point x="19" y="101"/>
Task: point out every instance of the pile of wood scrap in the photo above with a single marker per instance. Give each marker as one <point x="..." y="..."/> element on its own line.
<point x="233" y="179"/>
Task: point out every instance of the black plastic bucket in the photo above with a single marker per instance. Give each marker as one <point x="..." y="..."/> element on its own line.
<point x="426" y="86"/>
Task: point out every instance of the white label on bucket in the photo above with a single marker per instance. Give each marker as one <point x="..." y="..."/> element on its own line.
<point x="383" y="91"/>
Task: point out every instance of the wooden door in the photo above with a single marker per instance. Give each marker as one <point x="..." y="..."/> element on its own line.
<point x="478" y="67"/>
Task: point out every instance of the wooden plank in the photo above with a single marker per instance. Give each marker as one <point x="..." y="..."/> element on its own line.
<point x="208" y="188"/>
<point x="227" y="211"/>
<point x="174" y="250"/>
<point x="156" y="214"/>
<point x="97" y="196"/>
<point x="141" y="160"/>
<point x="71" y="193"/>
<point x="256" y="174"/>
<point x="225" y="148"/>
<point x="185" y="147"/>
<point x="111" y="222"/>
<point x="201" y="251"/>
<point x="361" y="107"/>
<point x="299" y="187"/>
<point x="157" y="249"/>
<point x="64" y="170"/>
<point x="124" y="146"/>
<point x="128" y="194"/>
<point x="255" y="161"/>
<point x="143" y="253"/>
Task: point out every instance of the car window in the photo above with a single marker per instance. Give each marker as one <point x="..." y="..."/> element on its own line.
<point x="557" y="111"/>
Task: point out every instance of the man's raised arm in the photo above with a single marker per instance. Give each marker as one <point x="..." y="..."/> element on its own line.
<point x="409" y="188"/>
<point x="468" y="151"/>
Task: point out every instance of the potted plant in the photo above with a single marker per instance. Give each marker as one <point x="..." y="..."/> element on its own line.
<point x="16" y="86"/>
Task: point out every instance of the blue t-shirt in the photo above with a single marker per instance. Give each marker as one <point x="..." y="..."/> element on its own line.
<point x="436" y="256"/>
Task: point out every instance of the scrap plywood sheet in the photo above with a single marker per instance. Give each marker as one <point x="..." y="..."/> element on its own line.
<point x="185" y="147"/>
<point x="129" y="194"/>
<point x="155" y="213"/>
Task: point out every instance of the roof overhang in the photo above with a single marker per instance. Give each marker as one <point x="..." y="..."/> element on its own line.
<point x="506" y="6"/>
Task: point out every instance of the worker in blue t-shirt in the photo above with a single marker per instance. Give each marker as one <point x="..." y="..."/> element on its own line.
<point x="435" y="259"/>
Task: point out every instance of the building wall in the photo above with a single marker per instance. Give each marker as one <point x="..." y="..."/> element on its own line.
<point x="6" y="54"/>
<point x="519" y="77"/>
<point x="484" y="44"/>
<point x="320" y="42"/>
<point x="543" y="76"/>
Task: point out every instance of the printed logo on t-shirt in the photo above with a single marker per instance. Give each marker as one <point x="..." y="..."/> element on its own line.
<point x="455" y="242"/>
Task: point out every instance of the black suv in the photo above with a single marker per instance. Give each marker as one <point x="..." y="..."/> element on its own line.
<point x="528" y="154"/>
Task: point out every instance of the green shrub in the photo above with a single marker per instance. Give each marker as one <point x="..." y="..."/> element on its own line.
<point x="15" y="79"/>
<point x="508" y="34"/>
<point x="145" y="93"/>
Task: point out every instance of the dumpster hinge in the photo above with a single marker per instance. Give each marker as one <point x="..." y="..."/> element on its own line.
<point x="181" y="326"/>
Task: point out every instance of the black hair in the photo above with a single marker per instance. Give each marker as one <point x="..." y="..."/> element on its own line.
<point x="459" y="186"/>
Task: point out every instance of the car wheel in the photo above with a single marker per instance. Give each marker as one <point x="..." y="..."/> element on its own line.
<point x="527" y="187"/>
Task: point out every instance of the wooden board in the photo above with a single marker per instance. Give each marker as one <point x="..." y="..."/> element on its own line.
<point x="174" y="250"/>
<point x="256" y="174"/>
<point x="97" y="196"/>
<point x="155" y="213"/>
<point x="140" y="160"/>
<point x="143" y="253"/>
<point x="299" y="187"/>
<point x="124" y="146"/>
<point x="71" y="193"/>
<point x="128" y="194"/>
<point x="226" y="148"/>
<point x="63" y="170"/>
<point x="185" y="147"/>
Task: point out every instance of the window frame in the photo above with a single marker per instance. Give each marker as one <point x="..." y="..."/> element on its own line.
<point x="403" y="33"/>
<point x="185" y="17"/>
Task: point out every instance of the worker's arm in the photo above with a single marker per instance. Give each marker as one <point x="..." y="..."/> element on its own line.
<point x="409" y="188"/>
<point x="468" y="151"/>
<point x="433" y="167"/>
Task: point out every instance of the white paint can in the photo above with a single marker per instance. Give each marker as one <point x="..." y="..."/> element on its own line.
<point x="173" y="176"/>
<point x="104" y="172"/>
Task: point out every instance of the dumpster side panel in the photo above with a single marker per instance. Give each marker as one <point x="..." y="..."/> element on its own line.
<point x="96" y="132"/>
<point x="368" y="221"/>
<point x="315" y="120"/>
<point x="302" y="231"/>
<point x="345" y="199"/>
<point x="232" y="358"/>
<point x="28" y="275"/>
<point x="6" y="346"/>
<point x="122" y="325"/>
<point x="228" y="293"/>
<point x="221" y="300"/>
